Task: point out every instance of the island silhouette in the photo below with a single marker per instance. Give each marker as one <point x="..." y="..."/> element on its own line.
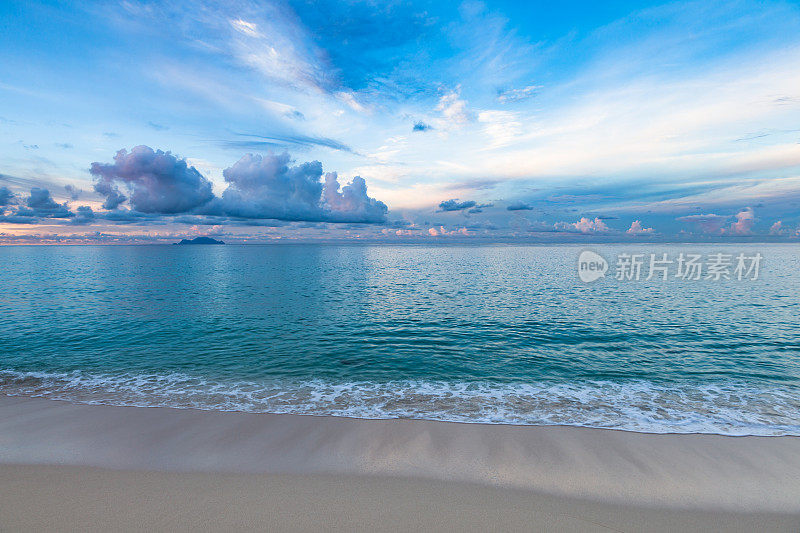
<point x="199" y="240"/>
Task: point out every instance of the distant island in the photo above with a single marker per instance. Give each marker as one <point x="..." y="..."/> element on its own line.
<point x="200" y="240"/>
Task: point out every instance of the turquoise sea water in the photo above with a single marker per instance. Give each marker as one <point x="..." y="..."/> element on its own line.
<point x="496" y="334"/>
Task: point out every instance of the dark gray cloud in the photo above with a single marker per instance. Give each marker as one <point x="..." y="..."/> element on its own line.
<point x="41" y="204"/>
<point x="519" y="206"/>
<point x="19" y="219"/>
<point x="83" y="215"/>
<point x="455" y="205"/>
<point x="158" y="182"/>
<point x="113" y="196"/>
<point x="38" y="205"/>
<point x="7" y="197"/>
<point x="73" y="192"/>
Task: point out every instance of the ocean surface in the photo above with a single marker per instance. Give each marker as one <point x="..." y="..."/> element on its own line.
<point x="493" y="334"/>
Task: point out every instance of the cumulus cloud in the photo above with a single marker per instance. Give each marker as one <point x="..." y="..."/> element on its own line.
<point x="421" y="126"/>
<point x="351" y="204"/>
<point x="269" y="187"/>
<point x="519" y="206"/>
<point x="161" y="187"/>
<point x="41" y="204"/>
<point x="778" y="229"/>
<point x="715" y="224"/>
<point x="158" y="182"/>
<point x="83" y="215"/>
<point x="637" y="229"/>
<point x="584" y="225"/>
<point x="441" y="231"/>
<point x="744" y="222"/>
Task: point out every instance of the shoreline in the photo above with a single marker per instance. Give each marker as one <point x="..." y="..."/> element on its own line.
<point x="687" y="471"/>
<point x="68" y="401"/>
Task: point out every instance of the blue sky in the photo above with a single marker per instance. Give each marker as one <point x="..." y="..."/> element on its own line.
<point x="500" y="121"/>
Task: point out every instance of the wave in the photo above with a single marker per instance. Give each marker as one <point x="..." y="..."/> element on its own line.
<point x="720" y="408"/>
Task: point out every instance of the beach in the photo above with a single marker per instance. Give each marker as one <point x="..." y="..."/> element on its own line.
<point x="97" y="467"/>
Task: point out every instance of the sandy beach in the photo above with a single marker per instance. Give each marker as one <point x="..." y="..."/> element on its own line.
<point x="91" y="467"/>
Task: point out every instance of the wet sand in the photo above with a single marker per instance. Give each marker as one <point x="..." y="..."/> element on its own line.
<point x="86" y="467"/>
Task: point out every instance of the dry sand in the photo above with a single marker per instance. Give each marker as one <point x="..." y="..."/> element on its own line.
<point x="82" y="467"/>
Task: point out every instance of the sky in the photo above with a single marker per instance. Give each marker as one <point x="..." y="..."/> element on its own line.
<point x="142" y="122"/>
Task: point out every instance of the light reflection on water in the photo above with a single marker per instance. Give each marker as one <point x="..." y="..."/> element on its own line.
<point x="472" y="333"/>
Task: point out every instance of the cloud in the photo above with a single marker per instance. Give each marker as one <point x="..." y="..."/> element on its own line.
<point x="306" y="141"/>
<point x="158" y="182"/>
<point x="113" y="196"/>
<point x="516" y="95"/>
<point x="351" y="204"/>
<point x="41" y="204"/>
<point x="162" y="188"/>
<point x="453" y="109"/>
<point x="38" y="205"/>
<point x="83" y="215"/>
<point x="421" y="126"/>
<point x="500" y="126"/>
<point x="519" y="206"/>
<point x="268" y="187"/>
<point x="442" y="232"/>
<point x="584" y="225"/>
<point x="744" y="222"/>
<point x="455" y="205"/>
<point x="778" y="229"/>
<point x="156" y="126"/>
<point x="475" y="184"/>
<point x="72" y="191"/>
<point x="637" y="229"/>
<point x="7" y="197"/>
<point x="709" y="223"/>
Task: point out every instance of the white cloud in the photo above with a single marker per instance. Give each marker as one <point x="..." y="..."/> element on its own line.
<point x="777" y="229"/>
<point x="744" y="222"/>
<point x="453" y="110"/>
<point x="502" y="127"/>
<point x="584" y="225"/>
<point x="248" y="28"/>
<point x="637" y="229"/>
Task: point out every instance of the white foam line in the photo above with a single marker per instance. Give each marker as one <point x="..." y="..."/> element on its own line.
<point x="721" y="408"/>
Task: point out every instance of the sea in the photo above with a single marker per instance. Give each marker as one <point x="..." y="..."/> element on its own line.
<point x="492" y="334"/>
